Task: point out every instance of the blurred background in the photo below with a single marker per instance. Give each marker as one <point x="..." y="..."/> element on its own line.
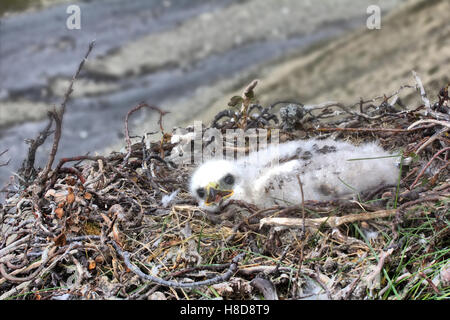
<point x="190" y="56"/>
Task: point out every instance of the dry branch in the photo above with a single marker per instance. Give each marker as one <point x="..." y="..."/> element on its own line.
<point x="393" y="130"/>
<point x="58" y="116"/>
<point x="426" y="166"/>
<point x="331" y="222"/>
<point x="7" y="162"/>
<point x="423" y="94"/>
<point x="127" y="132"/>
<point x="27" y="171"/>
<point x="222" y="278"/>
<point x="383" y="256"/>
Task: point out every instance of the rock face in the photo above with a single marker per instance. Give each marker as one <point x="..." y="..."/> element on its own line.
<point x="414" y="36"/>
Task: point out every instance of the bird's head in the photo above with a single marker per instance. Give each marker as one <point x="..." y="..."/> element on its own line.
<point x="215" y="182"/>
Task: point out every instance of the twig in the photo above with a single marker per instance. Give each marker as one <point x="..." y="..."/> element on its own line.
<point x="28" y="164"/>
<point x="221" y="278"/>
<point x="215" y="267"/>
<point x="6" y="163"/>
<point x="423" y="94"/>
<point x="442" y="123"/>
<point x="83" y="238"/>
<point x="426" y="166"/>
<point x="303" y="204"/>
<point x="75" y="172"/>
<point x="349" y="289"/>
<point x="62" y="161"/>
<point x="437" y="135"/>
<point x="40" y="265"/>
<point x="129" y="113"/>
<point x="432" y="285"/>
<point x="15" y="290"/>
<point x="248" y="271"/>
<point x="426" y="101"/>
<point x="413" y="171"/>
<point x="424" y="199"/>
<point x="369" y="129"/>
<point x="380" y="265"/>
<point x="11" y="247"/>
<point x="316" y="277"/>
<point x="58" y="116"/>
<point x="247" y="97"/>
<point x="280" y="260"/>
<point x="330" y="221"/>
<point x="329" y="104"/>
<point x="401" y="210"/>
<point x="248" y="91"/>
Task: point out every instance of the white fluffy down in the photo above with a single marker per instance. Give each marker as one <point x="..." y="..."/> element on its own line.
<point x="325" y="173"/>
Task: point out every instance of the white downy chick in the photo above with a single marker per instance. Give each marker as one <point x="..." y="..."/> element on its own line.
<point x="328" y="170"/>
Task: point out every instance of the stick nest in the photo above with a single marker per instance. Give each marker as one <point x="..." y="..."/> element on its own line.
<point x="124" y="226"/>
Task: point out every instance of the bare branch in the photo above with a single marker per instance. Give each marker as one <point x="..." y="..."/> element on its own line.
<point x="442" y="123"/>
<point x="222" y="278"/>
<point x="27" y="170"/>
<point x="426" y="101"/>
<point x="127" y="133"/>
<point x="426" y="166"/>
<point x="58" y="116"/>
<point x="370" y="129"/>
<point x="423" y="94"/>
<point x="303" y="203"/>
<point x="7" y="162"/>
<point x="330" y="221"/>
<point x="247" y="97"/>
<point x="385" y="254"/>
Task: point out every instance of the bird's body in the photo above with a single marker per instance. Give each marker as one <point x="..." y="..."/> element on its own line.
<point x="270" y="177"/>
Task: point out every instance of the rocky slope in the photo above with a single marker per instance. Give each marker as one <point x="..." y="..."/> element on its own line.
<point x="364" y="63"/>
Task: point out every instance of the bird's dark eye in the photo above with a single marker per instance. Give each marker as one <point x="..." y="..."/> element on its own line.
<point x="201" y="192"/>
<point x="229" y="179"/>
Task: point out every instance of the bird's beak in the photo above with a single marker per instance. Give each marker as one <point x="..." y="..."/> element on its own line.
<point x="214" y="194"/>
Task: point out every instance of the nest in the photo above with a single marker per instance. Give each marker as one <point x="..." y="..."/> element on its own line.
<point x="124" y="226"/>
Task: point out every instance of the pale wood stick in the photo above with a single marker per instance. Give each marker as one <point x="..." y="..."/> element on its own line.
<point x="329" y="221"/>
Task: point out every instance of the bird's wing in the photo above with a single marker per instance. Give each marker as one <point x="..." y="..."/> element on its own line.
<point x="277" y="185"/>
<point x="301" y="150"/>
<point x="326" y="171"/>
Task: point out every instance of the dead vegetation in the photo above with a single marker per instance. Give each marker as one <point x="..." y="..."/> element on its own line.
<point x="124" y="225"/>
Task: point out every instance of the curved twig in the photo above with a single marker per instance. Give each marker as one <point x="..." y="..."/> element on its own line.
<point x="127" y="132"/>
<point x="426" y="166"/>
<point x="221" y="278"/>
<point x="442" y="123"/>
<point x="40" y="265"/>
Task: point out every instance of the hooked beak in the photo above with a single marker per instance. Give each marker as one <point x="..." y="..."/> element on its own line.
<point x="215" y="195"/>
